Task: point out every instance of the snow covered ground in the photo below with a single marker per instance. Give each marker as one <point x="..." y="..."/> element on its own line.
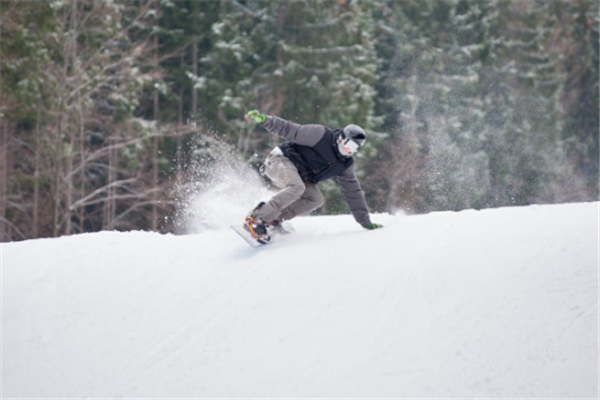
<point x="487" y="304"/>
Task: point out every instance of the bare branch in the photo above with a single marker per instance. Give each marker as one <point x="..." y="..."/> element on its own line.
<point x="85" y="201"/>
<point x="14" y="227"/>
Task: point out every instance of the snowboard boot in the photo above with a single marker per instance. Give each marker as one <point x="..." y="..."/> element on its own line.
<point x="276" y="226"/>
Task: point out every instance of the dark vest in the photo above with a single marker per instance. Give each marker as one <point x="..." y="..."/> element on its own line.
<point x="320" y="162"/>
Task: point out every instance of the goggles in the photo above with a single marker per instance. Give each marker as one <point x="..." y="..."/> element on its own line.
<point x="347" y="146"/>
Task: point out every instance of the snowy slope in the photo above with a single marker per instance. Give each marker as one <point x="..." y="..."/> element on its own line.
<point x="494" y="303"/>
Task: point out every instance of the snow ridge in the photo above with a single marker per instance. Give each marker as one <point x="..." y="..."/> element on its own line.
<point x="484" y="304"/>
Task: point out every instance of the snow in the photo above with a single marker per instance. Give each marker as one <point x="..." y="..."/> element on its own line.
<point x="496" y="303"/>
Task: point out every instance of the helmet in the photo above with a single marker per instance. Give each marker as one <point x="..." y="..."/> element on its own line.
<point x="351" y="139"/>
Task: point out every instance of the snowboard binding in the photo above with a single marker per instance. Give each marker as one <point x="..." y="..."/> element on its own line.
<point x="257" y="229"/>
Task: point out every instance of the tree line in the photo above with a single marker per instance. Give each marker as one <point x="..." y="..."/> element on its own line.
<point x="107" y="106"/>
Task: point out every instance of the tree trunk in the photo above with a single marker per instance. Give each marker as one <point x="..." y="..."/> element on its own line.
<point x="154" y="195"/>
<point x="36" y="179"/>
<point x="180" y="124"/>
<point x="4" y="228"/>
<point x="112" y="174"/>
<point x="194" y="106"/>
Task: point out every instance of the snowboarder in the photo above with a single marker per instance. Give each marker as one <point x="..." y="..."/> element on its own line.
<point x="311" y="154"/>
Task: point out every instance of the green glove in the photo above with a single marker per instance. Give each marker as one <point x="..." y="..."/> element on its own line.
<point x="370" y="226"/>
<point x="257" y="116"/>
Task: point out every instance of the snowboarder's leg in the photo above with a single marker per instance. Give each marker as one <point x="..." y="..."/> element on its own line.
<point x="309" y="201"/>
<point x="284" y="175"/>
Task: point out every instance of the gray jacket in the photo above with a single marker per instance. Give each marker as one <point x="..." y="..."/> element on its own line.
<point x="318" y="138"/>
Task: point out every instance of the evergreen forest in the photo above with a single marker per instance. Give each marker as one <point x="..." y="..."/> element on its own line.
<point x="112" y="111"/>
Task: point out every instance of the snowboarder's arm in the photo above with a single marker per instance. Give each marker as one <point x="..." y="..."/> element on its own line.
<point x="305" y="135"/>
<point x="354" y="196"/>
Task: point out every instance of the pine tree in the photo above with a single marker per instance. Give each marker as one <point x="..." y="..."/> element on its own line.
<point x="307" y="61"/>
<point x="472" y="98"/>
<point x="528" y="162"/>
<point x="433" y="104"/>
<point x="576" y="44"/>
<point x="24" y="95"/>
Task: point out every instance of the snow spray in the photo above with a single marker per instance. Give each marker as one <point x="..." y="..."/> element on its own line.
<point x="220" y="188"/>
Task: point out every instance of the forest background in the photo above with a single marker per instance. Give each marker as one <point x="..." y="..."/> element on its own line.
<point x="113" y="113"/>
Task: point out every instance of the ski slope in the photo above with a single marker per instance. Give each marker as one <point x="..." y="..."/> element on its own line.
<point x="496" y="303"/>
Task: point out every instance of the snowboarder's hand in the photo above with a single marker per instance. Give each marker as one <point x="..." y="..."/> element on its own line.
<point x="256" y="115"/>
<point x="370" y="226"/>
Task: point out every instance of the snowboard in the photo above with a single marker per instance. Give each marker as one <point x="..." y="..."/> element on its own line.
<point x="240" y="230"/>
<point x="283" y="229"/>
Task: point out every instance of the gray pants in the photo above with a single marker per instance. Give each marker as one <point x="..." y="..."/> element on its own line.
<point x="296" y="197"/>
